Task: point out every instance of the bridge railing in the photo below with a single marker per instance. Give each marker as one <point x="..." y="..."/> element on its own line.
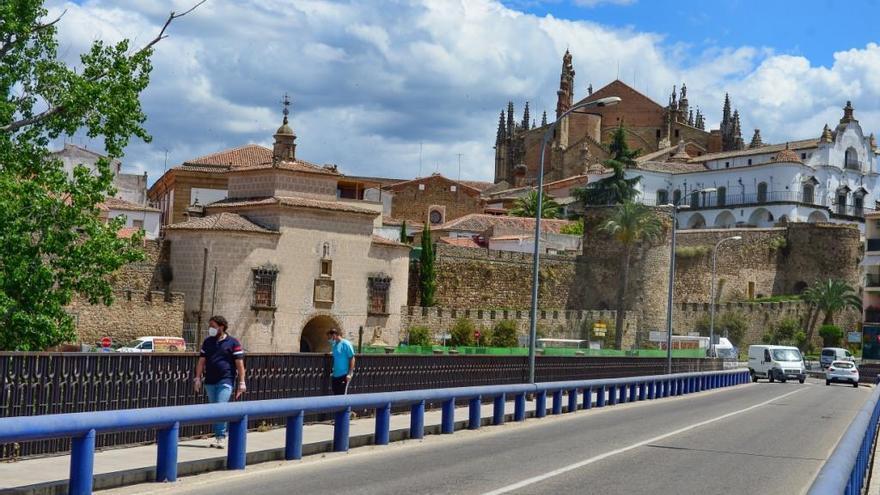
<point x="848" y="467"/>
<point x="82" y="427"/>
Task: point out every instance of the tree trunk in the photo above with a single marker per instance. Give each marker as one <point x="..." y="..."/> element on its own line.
<point x="829" y="318"/>
<point x="812" y="316"/>
<point x="621" y="297"/>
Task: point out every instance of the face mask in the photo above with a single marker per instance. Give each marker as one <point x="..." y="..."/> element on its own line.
<point x="212" y="331"/>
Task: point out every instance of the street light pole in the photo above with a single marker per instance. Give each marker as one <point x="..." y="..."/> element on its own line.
<point x="536" y="252"/>
<point x="712" y="293"/>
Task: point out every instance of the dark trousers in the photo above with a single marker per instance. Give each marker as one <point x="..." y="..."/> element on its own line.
<point x="339" y="385"/>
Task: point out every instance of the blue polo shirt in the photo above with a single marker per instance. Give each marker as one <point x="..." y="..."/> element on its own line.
<point x="220" y="359"/>
<point x="342" y="354"/>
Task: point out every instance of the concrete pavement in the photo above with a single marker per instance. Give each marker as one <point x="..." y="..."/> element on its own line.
<point x="767" y="437"/>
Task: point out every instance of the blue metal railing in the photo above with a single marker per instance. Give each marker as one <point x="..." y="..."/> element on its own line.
<point x="82" y="427"/>
<point x="846" y="471"/>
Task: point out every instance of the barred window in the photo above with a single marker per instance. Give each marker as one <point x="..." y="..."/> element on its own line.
<point x="378" y="295"/>
<point x="264" y="287"/>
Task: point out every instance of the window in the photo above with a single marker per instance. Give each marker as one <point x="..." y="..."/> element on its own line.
<point x="378" y="294"/>
<point x="726" y="164"/>
<point x="858" y="205"/>
<point x="658" y="133"/>
<point x="325" y="251"/>
<point x="841" y="202"/>
<point x="721" y="196"/>
<point x="421" y="187"/>
<point x="326" y="268"/>
<point x="676" y="133"/>
<point x="147" y="345"/>
<point x="264" y="286"/>
<point x="676" y="197"/>
<point x="803" y="156"/>
<point x="750" y="161"/>
<point x="808" y="194"/>
<point x="662" y="197"/>
<point x="452" y="188"/>
<point x="762" y="192"/>
<point x="851" y="159"/>
<point x="695" y="199"/>
<point x="436" y="217"/>
<point x="138" y="224"/>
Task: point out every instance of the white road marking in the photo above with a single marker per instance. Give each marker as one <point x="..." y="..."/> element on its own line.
<point x="591" y="460"/>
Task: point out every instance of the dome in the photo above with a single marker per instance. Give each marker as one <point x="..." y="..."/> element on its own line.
<point x="284" y="129"/>
<point x="787" y="155"/>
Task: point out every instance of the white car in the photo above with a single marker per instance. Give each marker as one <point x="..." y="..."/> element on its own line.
<point x="842" y="371"/>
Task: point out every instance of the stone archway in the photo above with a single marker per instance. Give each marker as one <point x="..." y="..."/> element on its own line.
<point x="761" y="218"/>
<point x="725" y="220"/>
<point x="314" y="334"/>
<point x="817" y="217"/>
<point x="696" y="221"/>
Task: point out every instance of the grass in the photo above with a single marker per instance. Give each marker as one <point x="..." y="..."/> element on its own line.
<point x="781" y="298"/>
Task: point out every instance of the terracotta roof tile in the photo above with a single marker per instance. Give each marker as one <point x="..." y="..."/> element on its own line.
<point x="229" y="222"/>
<point x="111" y="203"/>
<point x="242" y="156"/>
<point x="767" y="148"/>
<point x="480" y="222"/>
<point x="292" y="202"/>
<point x="296" y="166"/>
<point x="467" y="242"/>
<point x="671" y="167"/>
<point x="127" y="232"/>
<point x="388" y="242"/>
<point x="475" y="187"/>
<point x="398" y="221"/>
<point x="476" y="184"/>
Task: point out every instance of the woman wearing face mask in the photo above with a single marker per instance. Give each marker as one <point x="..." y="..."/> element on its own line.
<point x="222" y="360"/>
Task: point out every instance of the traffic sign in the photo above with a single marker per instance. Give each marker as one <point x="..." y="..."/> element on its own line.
<point x="105" y="342"/>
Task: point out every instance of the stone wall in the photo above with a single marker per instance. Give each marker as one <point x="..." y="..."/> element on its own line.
<point x="133" y="314"/>
<point x="413" y="204"/>
<point x="555" y="323"/>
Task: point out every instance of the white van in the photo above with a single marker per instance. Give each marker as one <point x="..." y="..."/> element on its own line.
<point x="776" y="362"/>
<point x="723" y="349"/>
<point x="155" y="344"/>
<point x="831" y="354"/>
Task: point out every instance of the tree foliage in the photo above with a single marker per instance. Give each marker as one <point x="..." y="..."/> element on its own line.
<point x="629" y="224"/>
<point x="616" y="188"/>
<point x="731" y="325"/>
<point x="462" y="333"/>
<point x="419" y="335"/>
<point x="404" y="238"/>
<point x="53" y="242"/>
<point x="504" y="334"/>
<point x="427" y="275"/>
<point x="527" y="206"/>
<point x="788" y="331"/>
<point x="574" y="228"/>
<point x="831" y="335"/>
<point x="831" y="297"/>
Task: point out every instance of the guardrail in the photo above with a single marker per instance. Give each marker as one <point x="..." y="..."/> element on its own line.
<point x="846" y="471"/>
<point x="82" y="427"/>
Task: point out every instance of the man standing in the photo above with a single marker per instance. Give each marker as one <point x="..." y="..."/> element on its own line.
<point x="221" y="358"/>
<point x="343" y="362"/>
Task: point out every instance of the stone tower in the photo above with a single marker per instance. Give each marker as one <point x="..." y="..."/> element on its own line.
<point x="284" y="149"/>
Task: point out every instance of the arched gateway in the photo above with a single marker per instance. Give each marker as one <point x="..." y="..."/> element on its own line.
<point x="314" y="335"/>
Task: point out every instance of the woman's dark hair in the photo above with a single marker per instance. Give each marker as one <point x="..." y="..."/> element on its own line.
<point x="220" y="321"/>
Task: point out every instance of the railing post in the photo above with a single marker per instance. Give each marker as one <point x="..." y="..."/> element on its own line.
<point x="498" y="409"/>
<point x="340" y="429"/>
<point x="447" y="416"/>
<point x="474" y="413"/>
<point x="643" y="390"/>
<point x="540" y="403"/>
<point x="667" y="386"/>
<point x="572" y="400"/>
<point x="622" y="393"/>
<point x="417" y="420"/>
<point x="383" y="424"/>
<point x="557" y="402"/>
<point x="600" y="396"/>
<point x="82" y="464"/>
<point x="166" y="453"/>
<point x="236" y="458"/>
<point x="519" y="407"/>
<point x="588" y="397"/>
<point x="293" y="437"/>
<point x="633" y="392"/>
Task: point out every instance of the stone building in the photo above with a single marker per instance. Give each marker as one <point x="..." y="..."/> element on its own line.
<point x="435" y="199"/>
<point x="284" y="258"/>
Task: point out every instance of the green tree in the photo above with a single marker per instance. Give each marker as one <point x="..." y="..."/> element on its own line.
<point x="831" y="335"/>
<point x="53" y="242"/>
<point x="616" y="188"/>
<point x="419" y="336"/>
<point x="630" y="224"/>
<point x="462" y="333"/>
<point x="527" y="206"/>
<point x="427" y="275"/>
<point x="403" y="235"/>
<point x="574" y="228"/>
<point x="504" y="334"/>
<point x="831" y="297"/>
<point x="731" y="325"/>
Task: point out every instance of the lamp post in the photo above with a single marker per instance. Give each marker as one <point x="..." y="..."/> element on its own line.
<point x="712" y="294"/>
<point x="536" y="253"/>
<point x="673" y="210"/>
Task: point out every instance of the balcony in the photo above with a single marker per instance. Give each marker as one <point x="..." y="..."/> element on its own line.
<point x="732" y="199"/>
<point x="873" y="245"/>
<point x="872" y="281"/>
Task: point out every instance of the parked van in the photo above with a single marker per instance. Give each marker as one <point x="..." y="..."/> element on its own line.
<point x="723" y="349"/>
<point x="776" y="362"/>
<point x="155" y="344"/>
<point x="831" y="354"/>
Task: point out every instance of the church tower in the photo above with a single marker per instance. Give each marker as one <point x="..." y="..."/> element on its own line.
<point x="284" y="149"/>
<point x="564" y="100"/>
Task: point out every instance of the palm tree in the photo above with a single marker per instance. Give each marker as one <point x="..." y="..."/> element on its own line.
<point x="527" y="206"/>
<point x="616" y="188"/>
<point x="830" y="297"/>
<point x="630" y="224"/>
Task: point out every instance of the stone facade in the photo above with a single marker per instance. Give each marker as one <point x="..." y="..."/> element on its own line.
<point x="415" y="200"/>
<point x="133" y="314"/>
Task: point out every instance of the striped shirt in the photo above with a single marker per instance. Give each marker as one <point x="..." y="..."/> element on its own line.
<point x="220" y="359"/>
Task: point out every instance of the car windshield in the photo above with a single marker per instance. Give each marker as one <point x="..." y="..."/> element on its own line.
<point x="786" y="355"/>
<point x="725" y="352"/>
<point x="828" y="352"/>
<point x="133" y="343"/>
<point x="843" y="365"/>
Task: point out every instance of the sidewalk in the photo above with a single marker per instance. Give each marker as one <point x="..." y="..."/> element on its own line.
<point x="125" y="466"/>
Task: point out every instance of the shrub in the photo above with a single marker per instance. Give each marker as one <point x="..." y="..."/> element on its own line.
<point x="733" y="325"/>
<point x="831" y="335"/>
<point x="462" y="333"/>
<point x="787" y="332"/>
<point x="504" y="334"/>
<point x="485" y="337"/>
<point x="692" y="251"/>
<point x="574" y="228"/>
<point x="419" y="336"/>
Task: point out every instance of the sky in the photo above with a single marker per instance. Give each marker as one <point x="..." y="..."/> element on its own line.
<point x="403" y="89"/>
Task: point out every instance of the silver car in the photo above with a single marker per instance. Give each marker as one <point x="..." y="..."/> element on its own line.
<point x="842" y="371"/>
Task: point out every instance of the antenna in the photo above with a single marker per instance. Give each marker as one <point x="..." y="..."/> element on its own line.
<point x="165" y="167"/>
<point x="618" y="70"/>
<point x="459" y="167"/>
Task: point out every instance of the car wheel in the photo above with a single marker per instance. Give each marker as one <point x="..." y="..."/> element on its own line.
<point x="856" y="384"/>
<point x="782" y="379"/>
<point x="771" y="376"/>
<point x="801" y="380"/>
<point x="754" y="377"/>
<point x="827" y="383"/>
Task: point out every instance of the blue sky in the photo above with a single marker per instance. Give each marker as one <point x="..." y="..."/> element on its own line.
<point x="375" y="89"/>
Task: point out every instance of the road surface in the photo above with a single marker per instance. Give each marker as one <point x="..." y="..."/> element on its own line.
<point x="766" y="438"/>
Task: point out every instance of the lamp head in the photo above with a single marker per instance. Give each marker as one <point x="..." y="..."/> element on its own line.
<point x="709" y="190"/>
<point x="736" y="238"/>
<point x="607" y="102"/>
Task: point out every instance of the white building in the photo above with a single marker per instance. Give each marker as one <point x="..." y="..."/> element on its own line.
<point x="831" y="178"/>
<point x="137" y="217"/>
<point x="129" y="187"/>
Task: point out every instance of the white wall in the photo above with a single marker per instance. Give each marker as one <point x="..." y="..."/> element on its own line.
<point x="151" y="220"/>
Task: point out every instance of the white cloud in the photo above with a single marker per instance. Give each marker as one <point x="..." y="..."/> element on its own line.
<point x="369" y="84"/>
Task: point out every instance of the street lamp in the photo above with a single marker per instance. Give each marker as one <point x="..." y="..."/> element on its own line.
<point x="673" y="210"/>
<point x="536" y="253"/>
<point x="712" y="293"/>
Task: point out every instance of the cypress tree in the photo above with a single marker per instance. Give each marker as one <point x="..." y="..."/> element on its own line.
<point x="427" y="278"/>
<point x="403" y="236"/>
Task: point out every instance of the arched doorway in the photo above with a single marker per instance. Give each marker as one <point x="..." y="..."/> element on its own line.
<point x="817" y="217"/>
<point x="314" y="335"/>
<point x="725" y="220"/>
<point x="696" y="221"/>
<point x="761" y="218"/>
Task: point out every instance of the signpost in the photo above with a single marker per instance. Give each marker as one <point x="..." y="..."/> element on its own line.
<point x="853" y="337"/>
<point x="105" y="344"/>
<point x="654" y="336"/>
<point x="599" y="329"/>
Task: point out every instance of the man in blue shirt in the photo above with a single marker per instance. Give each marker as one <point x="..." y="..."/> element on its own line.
<point x="343" y="362"/>
<point x="222" y="361"/>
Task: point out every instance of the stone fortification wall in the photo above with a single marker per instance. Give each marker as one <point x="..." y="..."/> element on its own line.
<point x="132" y="315"/>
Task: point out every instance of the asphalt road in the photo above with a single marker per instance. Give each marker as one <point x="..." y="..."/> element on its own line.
<point x="765" y="438"/>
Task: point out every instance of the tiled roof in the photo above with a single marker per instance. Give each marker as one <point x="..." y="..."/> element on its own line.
<point x="671" y="167"/>
<point x="293" y="202"/>
<point x="517" y="192"/>
<point x="480" y="222"/>
<point x="511" y="237"/>
<point x="467" y="242"/>
<point x="127" y="232"/>
<point x="229" y="222"/>
<point x="476" y="184"/>
<point x="656" y="154"/>
<point x="398" y="221"/>
<point x="476" y="187"/>
<point x="388" y="242"/>
<point x="243" y="156"/>
<point x="111" y="203"/>
<point x="296" y="166"/>
<point x="770" y="148"/>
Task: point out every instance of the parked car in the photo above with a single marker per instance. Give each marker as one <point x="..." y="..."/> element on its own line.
<point x="842" y="371"/>
<point x="831" y="354"/>
<point x="155" y="344"/>
<point x="776" y="362"/>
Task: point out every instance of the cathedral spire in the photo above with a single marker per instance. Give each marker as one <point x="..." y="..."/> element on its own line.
<point x="502" y="131"/>
<point x="544" y="118"/>
<point x="691" y="118"/>
<point x="565" y="93"/>
<point x="848" y="114"/>
<point x="590" y="89"/>
<point x="699" y="122"/>
<point x="526" y="119"/>
<point x="756" y="140"/>
<point x="725" y="115"/>
<point x="511" y="123"/>
<point x="738" y="142"/>
<point x="826" y="137"/>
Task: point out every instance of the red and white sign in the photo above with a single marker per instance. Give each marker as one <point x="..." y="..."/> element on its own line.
<point x="105" y="342"/>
